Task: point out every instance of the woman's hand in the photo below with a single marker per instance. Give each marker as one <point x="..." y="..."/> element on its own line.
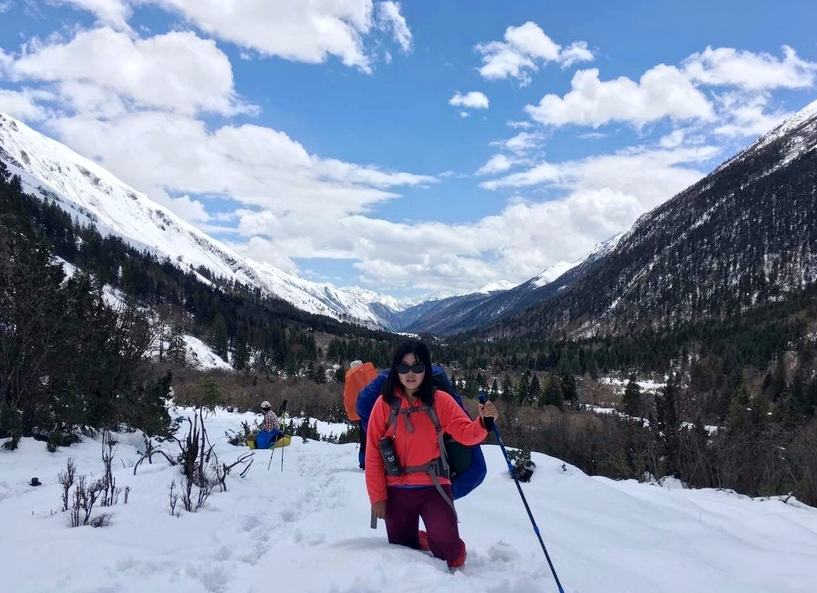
<point x="379" y="509"/>
<point x="488" y="410"/>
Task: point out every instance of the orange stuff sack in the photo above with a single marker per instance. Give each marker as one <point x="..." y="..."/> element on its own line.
<point x="356" y="379"/>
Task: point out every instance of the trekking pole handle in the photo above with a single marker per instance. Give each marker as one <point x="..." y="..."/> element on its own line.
<point x="489" y="422"/>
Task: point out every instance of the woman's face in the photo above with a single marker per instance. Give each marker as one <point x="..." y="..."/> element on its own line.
<point x="410" y="380"/>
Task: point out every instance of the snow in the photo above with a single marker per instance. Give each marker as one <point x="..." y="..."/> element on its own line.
<point x="93" y="195"/>
<point x="647" y="385"/>
<point x="550" y="274"/>
<point x="306" y="529"/>
<point x="599" y="250"/>
<point x="496" y="285"/>
<point x="200" y="356"/>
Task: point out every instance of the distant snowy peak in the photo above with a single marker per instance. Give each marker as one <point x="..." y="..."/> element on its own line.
<point x="495" y="286"/>
<point x="94" y="196"/>
<point x="599" y="250"/>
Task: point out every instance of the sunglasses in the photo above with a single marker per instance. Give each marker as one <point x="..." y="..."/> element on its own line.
<point x="417" y="368"/>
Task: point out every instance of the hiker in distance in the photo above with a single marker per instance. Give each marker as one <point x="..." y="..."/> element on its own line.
<point x="270" y="428"/>
<point x="406" y="469"/>
<point x="357" y="377"/>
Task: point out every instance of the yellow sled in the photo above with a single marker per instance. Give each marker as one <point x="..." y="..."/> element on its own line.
<point x="284" y="441"/>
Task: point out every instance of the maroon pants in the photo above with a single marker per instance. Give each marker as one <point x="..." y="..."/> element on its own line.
<point x="405" y="506"/>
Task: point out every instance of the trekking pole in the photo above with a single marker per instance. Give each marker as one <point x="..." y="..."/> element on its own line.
<point x="272" y="451"/>
<point x="491" y="426"/>
<point x="282" y="457"/>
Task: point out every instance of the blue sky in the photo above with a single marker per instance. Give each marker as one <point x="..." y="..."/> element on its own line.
<point x="414" y="148"/>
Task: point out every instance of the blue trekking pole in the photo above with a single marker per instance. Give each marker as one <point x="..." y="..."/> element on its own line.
<point x="491" y="426"/>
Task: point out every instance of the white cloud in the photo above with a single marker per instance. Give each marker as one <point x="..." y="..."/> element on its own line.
<point x="726" y="66"/>
<point x="523" y="49"/>
<point x="498" y="163"/>
<point x="104" y="70"/>
<point x="23" y="104"/>
<point x="160" y="153"/>
<point x="653" y="175"/>
<point x="746" y="115"/>
<point x="663" y="91"/>
<point x="522" y="143"/>
<point x="600" y="197"/>
<point x="472" y="100"/>
<point x="388" y="13"/>
<point x="298" y="30"/>
<point x="672" y="140"/>
<point x="5" y="6"/>
<point x="114" y="13"/>
<point x="576" y="52"/>
<point x="189" y="209"/>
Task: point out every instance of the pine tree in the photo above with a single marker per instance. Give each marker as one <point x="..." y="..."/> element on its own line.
<point x="534" y="392"/>
<point x="241" y="353"/>
<point x="553" y="393"/>
<point x="632" y="397"/>
<point x="668" y="425"/>
<point x="176" y="346"/>
<point x="523" y="389"/>
<point x="570" y="393"/>
<point x="507" y="394"/>
<point x="219" y="337"/>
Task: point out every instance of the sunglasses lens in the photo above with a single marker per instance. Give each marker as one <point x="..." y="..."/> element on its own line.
<point x="403" y="368"/>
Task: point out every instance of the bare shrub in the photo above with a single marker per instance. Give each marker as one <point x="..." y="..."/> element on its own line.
<point x="66" y="480"/>
<point x="174" y="500"/>
<point x="86" y="495"/>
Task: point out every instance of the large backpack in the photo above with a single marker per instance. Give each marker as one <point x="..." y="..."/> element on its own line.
<point x="467" y="464"/>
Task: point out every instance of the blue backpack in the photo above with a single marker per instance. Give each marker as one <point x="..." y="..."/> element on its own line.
<point x="468" y="467"/>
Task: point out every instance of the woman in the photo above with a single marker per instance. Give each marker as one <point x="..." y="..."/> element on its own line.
<point x="403" y="423"/>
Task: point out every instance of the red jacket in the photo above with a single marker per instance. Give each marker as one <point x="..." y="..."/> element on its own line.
<point x="414" y="448"/>
<point x="355" y="380"/>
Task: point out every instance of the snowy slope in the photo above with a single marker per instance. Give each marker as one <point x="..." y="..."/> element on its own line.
<point x="306" y="529"/>
<point x="93" y="195"/>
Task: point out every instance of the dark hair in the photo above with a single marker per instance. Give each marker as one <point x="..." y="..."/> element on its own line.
<point x="420" y="351"/>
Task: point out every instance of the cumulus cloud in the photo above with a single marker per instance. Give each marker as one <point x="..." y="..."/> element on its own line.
<point x="189" y="209"/>
<point x="747" y="115"/>
<point x="653" y="175"/>
<point x="498" y="163"/>
<point x="522" y="143"/>
<point x="295" y="204"/>
<point x="725" y="66"/>
<point x="104" y="71"/>
<point x="472" y="100"/>
<point x="24" y="104"/>
<point x="294" y="29"/>
<point x="390" y="19"/>
<point x="164" y="153"/>
<point x="114" y="13"/>
<point x="524" y="48"/>
<point x="600" y="197"/>
<point x="662" y="91"/>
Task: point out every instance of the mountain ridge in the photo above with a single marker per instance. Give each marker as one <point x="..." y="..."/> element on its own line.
<point x="93" y="195"/>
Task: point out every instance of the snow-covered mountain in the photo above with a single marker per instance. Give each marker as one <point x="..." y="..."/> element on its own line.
<point x="740" y="238"/>
<point x="93" y="195"/>
<point x="303" y="527"/>
<point x="497" y="300"/>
